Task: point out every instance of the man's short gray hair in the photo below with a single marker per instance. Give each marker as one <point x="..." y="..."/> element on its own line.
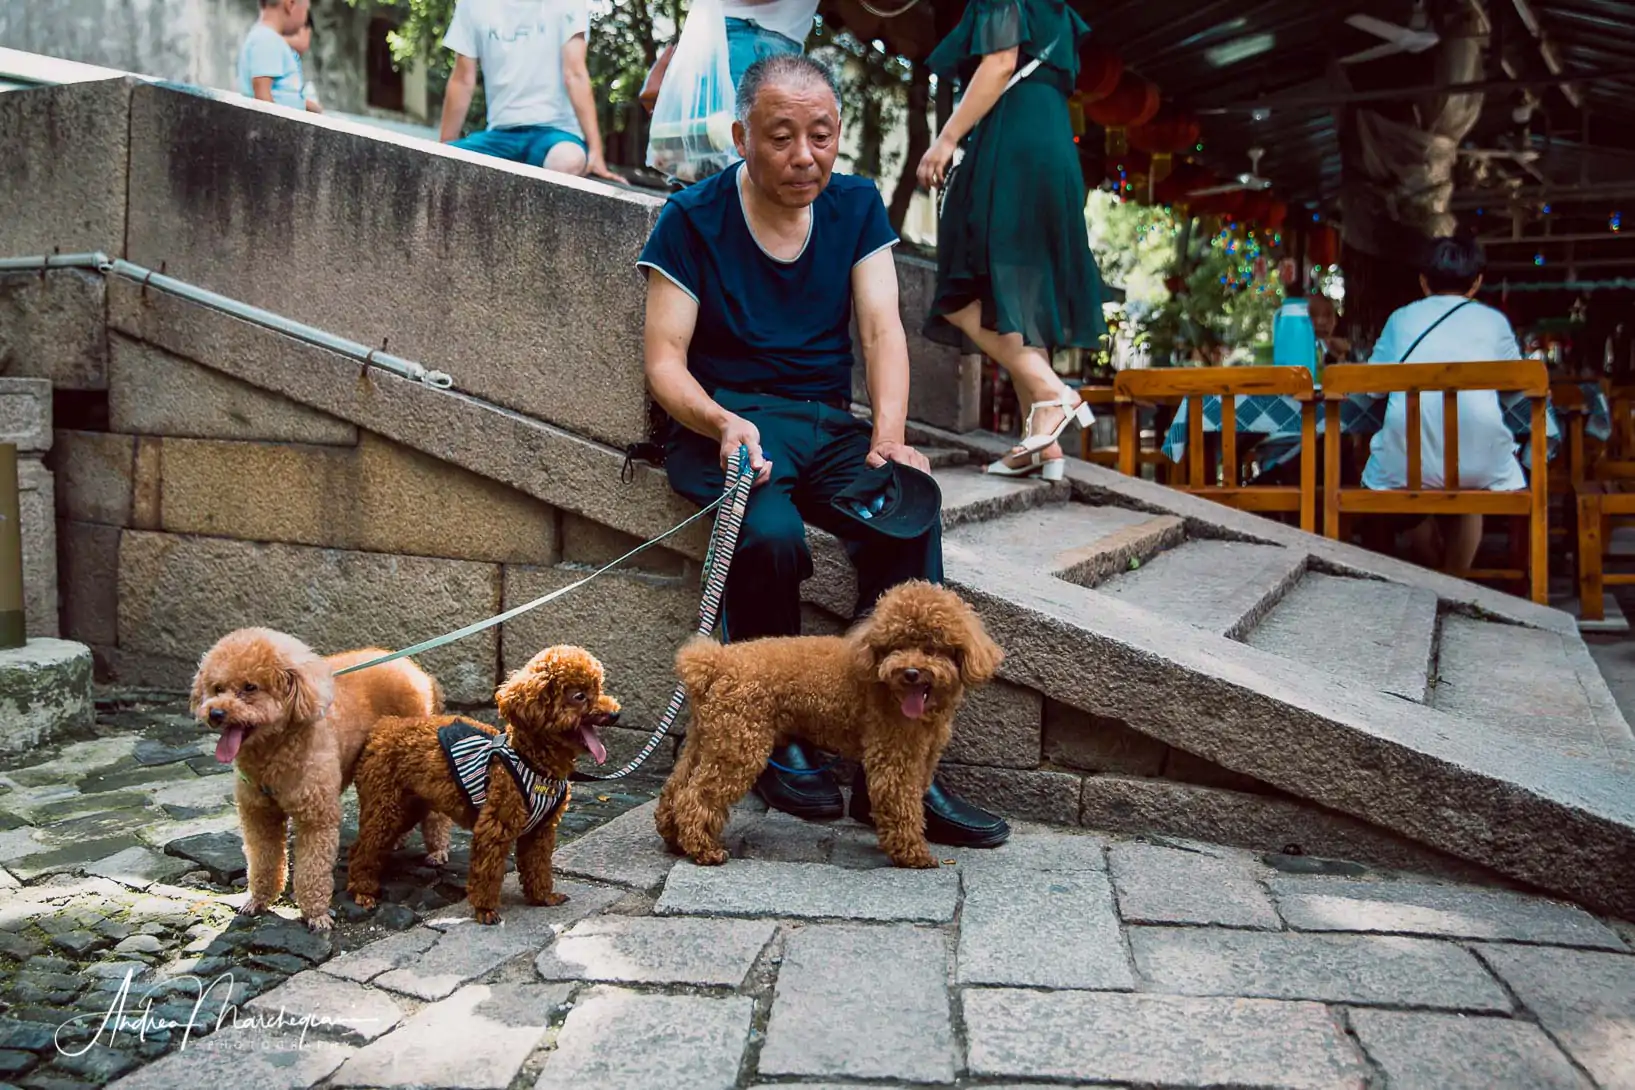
<point x="783" y="69"/>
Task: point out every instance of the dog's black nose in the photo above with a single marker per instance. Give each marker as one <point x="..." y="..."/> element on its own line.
<point x="911" y="676"/>
<point x="612" y="718"/>
<point x="218" y="715"/>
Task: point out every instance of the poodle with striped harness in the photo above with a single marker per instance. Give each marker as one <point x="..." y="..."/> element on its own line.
<point x="507" y="787"/>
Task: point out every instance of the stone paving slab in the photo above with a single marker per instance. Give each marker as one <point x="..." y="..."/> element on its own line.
<point x="863" y="1003"/>
<point x="139" y="868"/>
<point x="468" y="949"/>
<point x="393" y="952"/>
<point x="1585" y="1000"/>
<point x="476" y="1039"/>
<point x="753" y="887"/>
<point x="657" y="950"/>
<point x="618" y="1038"/>
<point x="1041" y="930"/>
<point x="1376" y="970"/>
<point x="1170" y="1041"/>
<point x="331" y="1007"/>
<point x="1494" y="1053"/>
<point x="241" y="1059"/>
<point x="1422" y="908"/>
<point x="627" y="851"/>
<point x="517" y="914"/>
<point x="1157" y="884"/>
<point x="1034" y="848"/>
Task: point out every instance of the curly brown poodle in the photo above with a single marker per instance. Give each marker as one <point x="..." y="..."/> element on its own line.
<point x="885" y="694"/>
<point x="507" y="788"/>
<point x="294" y="731"/>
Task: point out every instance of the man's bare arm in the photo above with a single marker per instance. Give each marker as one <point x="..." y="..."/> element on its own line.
<point x="668" y="330"/>
<point x="885" y="357"/>
<point x="262" y="86"/>
<point x="462" y="84"/>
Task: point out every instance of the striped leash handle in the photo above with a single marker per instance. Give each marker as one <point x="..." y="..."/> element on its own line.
<point x="729" y="521"/>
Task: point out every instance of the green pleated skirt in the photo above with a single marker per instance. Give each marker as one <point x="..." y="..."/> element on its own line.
<point x="1012" y="233"/>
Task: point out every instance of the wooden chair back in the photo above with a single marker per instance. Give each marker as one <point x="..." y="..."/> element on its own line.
<point x="1413" y="380"/>
<point x="1191" y="385"/>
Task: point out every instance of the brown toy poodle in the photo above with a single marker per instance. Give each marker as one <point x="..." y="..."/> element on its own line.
<point x="885" y="694"/>
<point x="294" y="731"/>
<point x="507" y="788"/>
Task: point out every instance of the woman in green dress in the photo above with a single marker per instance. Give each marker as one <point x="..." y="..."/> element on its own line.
<point x="1014" y="270"/>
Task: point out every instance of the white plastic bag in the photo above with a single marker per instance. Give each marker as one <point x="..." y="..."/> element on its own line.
<point x="690" y="136"/>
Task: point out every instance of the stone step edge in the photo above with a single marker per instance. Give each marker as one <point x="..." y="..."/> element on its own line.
<point x="1093" y="564"/>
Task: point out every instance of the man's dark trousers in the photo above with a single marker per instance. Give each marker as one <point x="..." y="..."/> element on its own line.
<point x="817" y="450"/>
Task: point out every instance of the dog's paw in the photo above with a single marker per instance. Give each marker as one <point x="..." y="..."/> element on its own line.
<point x="252" y="907"/>
<point x="364" y="900"/>
<point x="486" y="915"/>
<point x="320" y="923"/>
<point x="710" y="857"/>
<point x="921" y="860"/>
<point x="550" y="900"/>
<point x="437" y="859"/>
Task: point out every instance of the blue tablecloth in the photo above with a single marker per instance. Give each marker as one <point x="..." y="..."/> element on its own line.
<point x="1278" y="418"/>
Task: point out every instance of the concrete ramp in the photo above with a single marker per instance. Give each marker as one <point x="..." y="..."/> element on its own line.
<point x="1174" y="667"/>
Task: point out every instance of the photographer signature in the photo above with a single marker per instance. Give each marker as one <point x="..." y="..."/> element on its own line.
<point x="124" y="1016"/>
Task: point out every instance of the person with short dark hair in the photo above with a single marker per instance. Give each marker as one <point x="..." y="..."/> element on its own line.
<point x="753" y="278"/>
<point x="268" y="69"/>
<point x="1448" y="326"/>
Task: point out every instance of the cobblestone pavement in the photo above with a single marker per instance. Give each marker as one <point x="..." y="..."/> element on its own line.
<point x="1063" y="958"/>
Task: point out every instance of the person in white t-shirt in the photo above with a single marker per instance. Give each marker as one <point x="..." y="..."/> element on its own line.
<point x="531" y="54"/>
<point x="1447" y="326"/>
<point x="765" y="28"/>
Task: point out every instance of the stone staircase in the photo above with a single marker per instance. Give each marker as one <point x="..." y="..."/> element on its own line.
<point x="1488" y="736"/>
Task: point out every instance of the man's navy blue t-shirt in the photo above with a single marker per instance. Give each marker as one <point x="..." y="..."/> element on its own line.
<point x="764" y="325"/>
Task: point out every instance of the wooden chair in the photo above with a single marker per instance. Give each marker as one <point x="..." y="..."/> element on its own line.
<point x="1175" y="385"/>
<point x="1597" y="505"/>
<point x="1101" y="401"/>
<point x="1414" y="379"/>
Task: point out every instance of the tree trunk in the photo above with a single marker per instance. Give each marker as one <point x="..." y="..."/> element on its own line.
<point x="919" y="140"/>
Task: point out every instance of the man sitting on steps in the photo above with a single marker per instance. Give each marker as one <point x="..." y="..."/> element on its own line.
<point x="753" y="276"/>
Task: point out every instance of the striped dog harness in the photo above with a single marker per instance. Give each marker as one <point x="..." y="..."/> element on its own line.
<point x="469" y="750"/>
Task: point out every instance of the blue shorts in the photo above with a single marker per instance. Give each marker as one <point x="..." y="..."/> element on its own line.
<point x="748" y="42"/>
<point x="523" y="144"/>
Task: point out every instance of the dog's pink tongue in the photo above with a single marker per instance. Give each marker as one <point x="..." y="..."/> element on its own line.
<point x="914" y="703"/>
<point x="593" y="742"/>
<point x="227" y="745"/>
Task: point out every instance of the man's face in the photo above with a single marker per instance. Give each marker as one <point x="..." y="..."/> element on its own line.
<point x="1323" y="316"/>
<point x="792" y="139"/>
<point x="295" y="14"/>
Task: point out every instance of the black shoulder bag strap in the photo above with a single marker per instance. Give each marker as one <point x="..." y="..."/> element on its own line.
<point x="1431" y="327"/>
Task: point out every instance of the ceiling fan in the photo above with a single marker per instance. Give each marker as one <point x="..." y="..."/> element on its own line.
<point x="1249" y="181"/>
<point x="1416" y="37"/>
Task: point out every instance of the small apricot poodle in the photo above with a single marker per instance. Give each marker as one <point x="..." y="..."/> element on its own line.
<point x="452" y="766"/>
<point x="885" y="694"/>
<point x="294" y="731"/>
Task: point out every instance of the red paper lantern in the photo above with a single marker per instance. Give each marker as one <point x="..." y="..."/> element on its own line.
<point x="1323" y="246"/>
<point x="1134" y="101"/>
<point x="1099" y="72"/>
<point x="1276" y="216"/>
<point x="1169" y="133"/>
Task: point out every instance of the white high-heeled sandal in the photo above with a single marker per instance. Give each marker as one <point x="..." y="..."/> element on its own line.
<point x="1049" y="469"/>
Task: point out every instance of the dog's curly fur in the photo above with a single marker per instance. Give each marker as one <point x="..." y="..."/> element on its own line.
<point x="404" y="775"/>
<point x="919" y="650"/>
<point x="300" y="730"/>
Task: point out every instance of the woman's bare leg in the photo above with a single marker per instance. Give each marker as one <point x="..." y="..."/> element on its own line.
<point x="1029" y="370"/>
<point x="1462" y="537"/>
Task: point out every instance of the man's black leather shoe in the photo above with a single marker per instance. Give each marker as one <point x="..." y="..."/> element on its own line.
<point x="949" y="819"/>
<point x="815" y="797"/>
